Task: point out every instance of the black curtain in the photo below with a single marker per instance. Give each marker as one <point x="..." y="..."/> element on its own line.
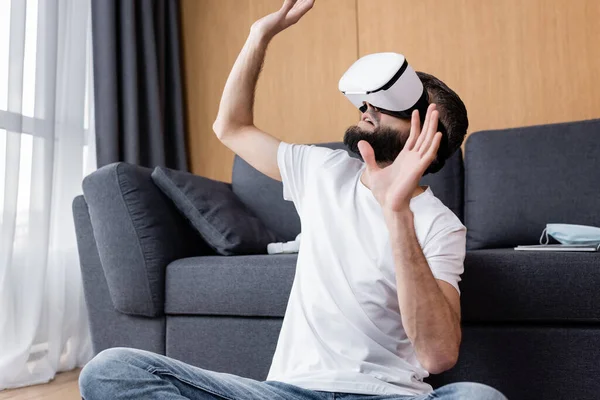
<point x="139" y="101"/>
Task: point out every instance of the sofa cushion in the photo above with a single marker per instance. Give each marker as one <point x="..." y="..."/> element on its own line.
<point x="215" y="212"/>
<point x="108" y="326"/>
<point x="499" y="285"/>
<point x="138" y="232"/>
<point x="264" y="195"/>
<point x="448" y="183"/>
<point x="506" y="285"/>
<point x="518" y="180"/>
<point x="256" y="285"/>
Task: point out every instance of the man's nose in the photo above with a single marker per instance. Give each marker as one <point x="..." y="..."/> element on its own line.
<point x="368" y="107"/>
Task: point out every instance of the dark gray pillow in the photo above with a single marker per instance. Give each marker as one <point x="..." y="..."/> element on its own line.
<point x="215" y="211"/>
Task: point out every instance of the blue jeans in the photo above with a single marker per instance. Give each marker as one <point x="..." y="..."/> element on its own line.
<point x="121" y="373"/>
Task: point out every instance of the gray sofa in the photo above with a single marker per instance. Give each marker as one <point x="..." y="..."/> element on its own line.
<point x="531" y="321"/>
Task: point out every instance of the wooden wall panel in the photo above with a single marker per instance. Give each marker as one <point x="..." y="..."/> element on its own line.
<point x="513" y="62"/>
<point x="297" y="97"/>
<point x="213" y="33"/>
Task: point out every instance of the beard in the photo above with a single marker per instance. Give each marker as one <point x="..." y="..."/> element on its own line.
<point x="386" y="142"/>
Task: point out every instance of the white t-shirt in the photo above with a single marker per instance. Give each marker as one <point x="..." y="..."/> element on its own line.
<point x="342" y="330"/>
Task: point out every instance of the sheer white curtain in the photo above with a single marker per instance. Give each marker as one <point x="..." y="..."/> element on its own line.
<point x="46" y="147"/>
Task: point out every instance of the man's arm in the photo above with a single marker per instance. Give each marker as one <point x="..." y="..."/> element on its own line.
<point x="234" y="124"/>
<point x="430" y="308"/>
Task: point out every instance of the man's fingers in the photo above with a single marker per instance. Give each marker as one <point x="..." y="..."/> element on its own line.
<point x="415" y="127"/>
<point x="287" y="6"/>
<point x="430" y="133"/>
<point x="425" y="126"/>
<point x="300" y="7"/>
<point x="367" y="153"/>
<point x="432" y="151"/>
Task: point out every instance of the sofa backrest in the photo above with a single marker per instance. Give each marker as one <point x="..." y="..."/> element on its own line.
<point x="518" y="180"/>
<point x="264" y="196"/>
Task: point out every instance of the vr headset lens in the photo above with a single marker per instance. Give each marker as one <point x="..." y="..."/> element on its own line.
<point x="398" y="114"/>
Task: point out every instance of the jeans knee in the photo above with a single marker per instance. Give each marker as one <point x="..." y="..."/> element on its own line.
<point x="107" y="365"/>
<point x="472" y="390"/>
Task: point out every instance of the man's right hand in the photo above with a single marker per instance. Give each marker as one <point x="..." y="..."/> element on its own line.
<point x="290" y="13"/>
<point x="234" y="124"/>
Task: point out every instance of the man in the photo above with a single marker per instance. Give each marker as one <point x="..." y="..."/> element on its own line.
<point x="374" y="307"/>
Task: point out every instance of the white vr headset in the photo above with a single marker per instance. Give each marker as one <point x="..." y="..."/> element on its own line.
<point x="387" y="82"/>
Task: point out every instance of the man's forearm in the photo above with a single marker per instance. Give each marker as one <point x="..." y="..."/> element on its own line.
<point x="237" y="102"/>
<point x="428" y="318"/>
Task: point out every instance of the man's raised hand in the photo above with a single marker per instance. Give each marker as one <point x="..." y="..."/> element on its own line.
<point x="394" y="185"/>
<point x="290" y="13"/>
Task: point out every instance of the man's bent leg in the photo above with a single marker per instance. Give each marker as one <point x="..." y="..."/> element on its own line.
<point x="122" y="373"/>
<point x="467" y="391"/>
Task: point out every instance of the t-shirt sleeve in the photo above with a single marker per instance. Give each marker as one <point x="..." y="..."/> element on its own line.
<point x="445" y="254"/>
<point x="297" y="164"/>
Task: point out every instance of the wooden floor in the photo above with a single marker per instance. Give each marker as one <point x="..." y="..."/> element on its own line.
<point x="63" y="387"/>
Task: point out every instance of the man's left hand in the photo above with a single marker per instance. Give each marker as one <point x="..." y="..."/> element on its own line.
<point x="393" y="186"/>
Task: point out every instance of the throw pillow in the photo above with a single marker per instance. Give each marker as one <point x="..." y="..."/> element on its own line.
<point x="215" y="212"/>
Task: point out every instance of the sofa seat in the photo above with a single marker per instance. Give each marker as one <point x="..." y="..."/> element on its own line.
<point x="499" y="285"/>
<point x="252" y="285"/>
<point x="504" y="285"/>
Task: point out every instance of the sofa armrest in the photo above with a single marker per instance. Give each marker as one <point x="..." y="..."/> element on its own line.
<point x="138" y="232"/>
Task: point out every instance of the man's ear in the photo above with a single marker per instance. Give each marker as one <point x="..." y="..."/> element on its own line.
<point x="435" y="166"/>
